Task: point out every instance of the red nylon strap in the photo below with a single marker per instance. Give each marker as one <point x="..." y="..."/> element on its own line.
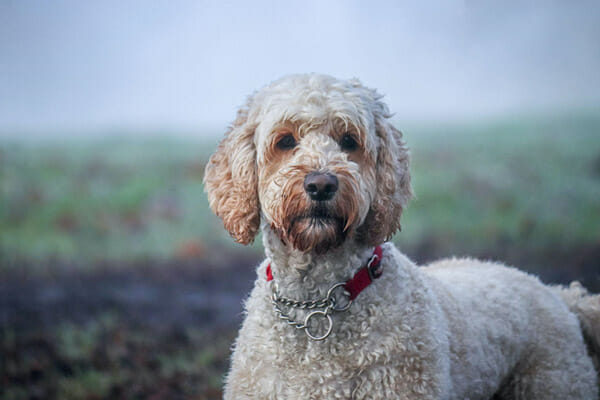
<point x="360" y="280"/>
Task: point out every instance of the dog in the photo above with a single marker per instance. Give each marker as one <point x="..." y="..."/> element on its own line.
<point x="339" y="313"/>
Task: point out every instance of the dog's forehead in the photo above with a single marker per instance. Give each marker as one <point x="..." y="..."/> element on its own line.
<point x="312" y="101"/>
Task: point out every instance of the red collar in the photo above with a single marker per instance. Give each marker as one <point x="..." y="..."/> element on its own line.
<point x="361" y="279"/>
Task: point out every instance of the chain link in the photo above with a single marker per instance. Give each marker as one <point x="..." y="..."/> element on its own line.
<point x="290" y="321"/>
<point x="328" y="304"/>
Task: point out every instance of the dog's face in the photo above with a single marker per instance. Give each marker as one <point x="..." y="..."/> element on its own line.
<point x="317" y="159"/>
<point x="316" y="177"/>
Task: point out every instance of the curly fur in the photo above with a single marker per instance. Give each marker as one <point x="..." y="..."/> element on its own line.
<point x="587" y="309"/>
<point x="456" y="329"/>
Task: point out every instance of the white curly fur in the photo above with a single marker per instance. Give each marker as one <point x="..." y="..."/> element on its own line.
<point x="456" y="329"/>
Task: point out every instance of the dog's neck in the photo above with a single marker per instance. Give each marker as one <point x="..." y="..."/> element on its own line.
<point x="308" y="276"/>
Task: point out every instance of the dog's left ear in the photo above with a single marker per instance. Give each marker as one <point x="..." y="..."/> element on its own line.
<point x="230" y="179"/>
<point x="393" y="181"/>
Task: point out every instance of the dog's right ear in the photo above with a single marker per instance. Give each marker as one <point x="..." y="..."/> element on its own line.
<point x="230" y="179"/>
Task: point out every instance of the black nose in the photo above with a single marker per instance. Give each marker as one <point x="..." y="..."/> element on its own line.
<point x="320" y="187"/>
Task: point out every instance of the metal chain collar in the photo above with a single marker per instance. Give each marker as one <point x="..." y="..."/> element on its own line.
<point x="323" y="309"/>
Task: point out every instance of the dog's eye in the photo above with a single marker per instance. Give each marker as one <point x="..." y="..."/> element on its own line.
<point x="348" y="143"/>
<point x="286" y="143"/>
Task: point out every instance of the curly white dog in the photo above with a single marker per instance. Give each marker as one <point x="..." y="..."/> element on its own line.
<point x="336" y="313"/>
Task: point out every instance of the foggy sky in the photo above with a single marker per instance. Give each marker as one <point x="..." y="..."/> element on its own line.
<point x="83" y="65"/>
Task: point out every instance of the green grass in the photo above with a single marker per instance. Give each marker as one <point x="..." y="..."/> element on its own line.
<point x="104" y="199"/>
<point x="476" y="184"/>
<point x="529" y="181"/>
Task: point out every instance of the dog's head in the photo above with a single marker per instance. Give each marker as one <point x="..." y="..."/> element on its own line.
<point x="317" y="159"/>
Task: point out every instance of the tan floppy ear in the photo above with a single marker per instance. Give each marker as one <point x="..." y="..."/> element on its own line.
<point x="230" y="180"/>
<point x="393" y="181"/>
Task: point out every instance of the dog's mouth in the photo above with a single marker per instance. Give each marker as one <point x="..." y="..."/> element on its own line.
<point x="317" y="229"/>
<point x="318" y="215"/>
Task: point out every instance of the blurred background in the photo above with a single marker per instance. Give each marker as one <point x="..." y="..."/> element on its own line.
<point x="117" y="282"/>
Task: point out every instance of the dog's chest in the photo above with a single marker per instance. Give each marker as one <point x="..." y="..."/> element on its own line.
<point x="292" y="365"/>
<point x="324" y="370"/>
<point x="348" y="364"/>
<point x="372" y="345"/>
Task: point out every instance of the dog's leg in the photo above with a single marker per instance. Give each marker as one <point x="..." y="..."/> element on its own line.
<point x="553" y="372"/>
<point x="587" y="308"/>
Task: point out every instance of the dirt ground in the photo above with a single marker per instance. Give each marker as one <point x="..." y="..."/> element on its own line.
<point x="155" y="330"/>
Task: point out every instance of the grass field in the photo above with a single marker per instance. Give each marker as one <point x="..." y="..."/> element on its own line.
<point x="529" y="182"/>
<point x="117" y="282"/>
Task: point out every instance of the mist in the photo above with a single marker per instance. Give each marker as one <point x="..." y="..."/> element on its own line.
<point x="72" y="66"/>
